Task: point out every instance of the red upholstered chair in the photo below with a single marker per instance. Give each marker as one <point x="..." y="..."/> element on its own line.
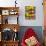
<point x="28" y="34"/>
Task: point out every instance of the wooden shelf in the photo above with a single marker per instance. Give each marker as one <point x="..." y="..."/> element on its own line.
<point x="11" y="26"/>
<point x="8" y="11"/>
<point x="4" y="12"/>
<point x="9" y="43"/>
<point x="3" y="8"/>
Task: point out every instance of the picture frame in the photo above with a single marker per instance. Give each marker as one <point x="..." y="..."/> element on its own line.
<point x="5" y="12"/>
<point x="30" y="12"/>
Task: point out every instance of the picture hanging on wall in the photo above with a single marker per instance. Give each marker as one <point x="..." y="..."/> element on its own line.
<point x="30" y="12"/>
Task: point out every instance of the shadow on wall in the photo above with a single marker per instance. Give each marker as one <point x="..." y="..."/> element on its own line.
<point x="37" y="29"/>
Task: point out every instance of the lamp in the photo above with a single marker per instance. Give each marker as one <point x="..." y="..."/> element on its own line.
<point x="15" y="30"/>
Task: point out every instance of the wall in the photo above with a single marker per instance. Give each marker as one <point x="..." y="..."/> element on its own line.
<point x="39" y="13"/>
<point x="22" y="3"/>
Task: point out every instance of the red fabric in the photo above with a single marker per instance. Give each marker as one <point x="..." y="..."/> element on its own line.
<point x="29" y="33"/>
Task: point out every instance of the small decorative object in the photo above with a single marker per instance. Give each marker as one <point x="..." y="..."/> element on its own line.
<point x="15" y="3"/>
<point x="13" y="12"/>
<point x="29" y="12"/>
<point x="5" y="12"/>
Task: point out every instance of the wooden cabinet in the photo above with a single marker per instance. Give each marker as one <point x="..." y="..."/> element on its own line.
<point x="9" y="29"/>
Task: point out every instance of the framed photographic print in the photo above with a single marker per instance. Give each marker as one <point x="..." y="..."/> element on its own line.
<point x="5" y="12"/>
<point x="30" y="12"/>
<point x="13" y="12"/>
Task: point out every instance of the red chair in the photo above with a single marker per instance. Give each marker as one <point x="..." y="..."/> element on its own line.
<point x="29" y="33"/>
